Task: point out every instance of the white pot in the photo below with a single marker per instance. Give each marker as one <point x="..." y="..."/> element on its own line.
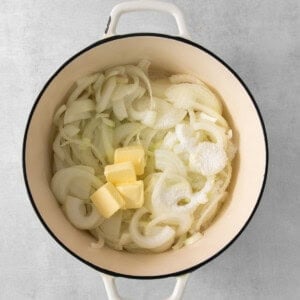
<point x="178" y="55"/>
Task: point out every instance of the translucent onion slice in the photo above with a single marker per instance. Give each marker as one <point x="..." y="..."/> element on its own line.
<point x="57" y="147"/>
<point x="60" y="183"/>
<point x="188" y="137"/>
<point x="184" y="95"/>
<point x="185" y="78"/>
<point x="107" y="91"/>
<point x="82" y="84"/>
<point x="70" y="130"/>
<point x="111" y="227"/>
<point x="166" y="160"/>
<point x="85" y="156"/>
<point x="80" y="188"/>
<point x="79" y="110"/>
<point x="208" y="211"/>
<point x="201" y="196"/>
<point x="215" y="132"/>
<point x="107" y="137"/>
<point x="124" y="130"/>
<point x="67" y="154"/>
<point x="113" y="71"/>
<point x="219" y="119"/>
<point x="136" y="71"/>
<point x="98" y="85"/>
<point x="122" y="91"/>
<point x="167" y="115"/>
<point x="149" y="242"/>
<point x="119" y="110"/>
<point x="144" y="65"/>
<point x="193" y="239"/>
<point x="146" y="136"/>
<point x="58" y="163"/>
<point x="90" y="127"/>
<point x="76" y="212"/>
<point x="182" y="221"/>
<point x="98" y="147"/>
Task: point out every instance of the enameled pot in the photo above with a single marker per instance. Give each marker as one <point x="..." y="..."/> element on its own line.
<point x="179" y="55"/>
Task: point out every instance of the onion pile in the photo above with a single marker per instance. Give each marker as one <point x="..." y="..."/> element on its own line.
<point x="188" y="144"/>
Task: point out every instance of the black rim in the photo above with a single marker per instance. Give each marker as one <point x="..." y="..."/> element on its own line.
<point x="180" y="39"/>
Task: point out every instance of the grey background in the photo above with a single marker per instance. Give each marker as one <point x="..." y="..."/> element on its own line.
<point x="260" y="40"/>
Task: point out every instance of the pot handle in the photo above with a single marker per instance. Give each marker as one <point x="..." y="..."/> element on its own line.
<point x="130" y="6"/>
<point x="112" y="292"/>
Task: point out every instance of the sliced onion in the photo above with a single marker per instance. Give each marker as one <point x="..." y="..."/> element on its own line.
<point x="122" y="131"/>
<point x="106" y="94"/>
<point x="184" y="95"/>
<point x="90" y="127"/>
<point x="82" y="84"/>
<point x="79" y="110"/>
<point x="98" y="147"/>
<point x="149" y="242"/>
<point x="75" y="211"/>
<point x="187" y="137"/>
<point x="212" y="113"/>
<point x="201" y="196"/>
<point x="58" y="163"/>
<point x="166" y="196"/>
<point x="183" y="221"/>
<point x="146" y="136"/>
<point x="166" y="160"/>
<point x="113" y="71"/>
<point x="57" y="148"/>
<point x="67" y="154"/>
<point x="193" y="239"/>
<point x="136" y="71"/>
<point x="215" y="132"/>
<point x="167" y="116"/>
<point x="107" y="136"/>
<point x="185" y="78"/>
<point x="208" y="211"/>
<point x="119" y="110"/>
<point x="60" y="183"/>
<point x="85" y="156"/>
<point x="122" y="91"/>
<point x="70" y="130"/>
<point x="98" y="85"/>
<point x="111" y="227"/>
<point x="144" y="65"/>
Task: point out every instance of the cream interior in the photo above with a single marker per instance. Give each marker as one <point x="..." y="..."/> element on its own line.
<point x="249" y="166"/>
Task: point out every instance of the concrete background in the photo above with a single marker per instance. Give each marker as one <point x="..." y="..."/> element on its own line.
<point x="260" y="40"/>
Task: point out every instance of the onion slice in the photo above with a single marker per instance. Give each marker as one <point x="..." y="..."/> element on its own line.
<point x="165" y="234"/>
<point x="76" y="213"/>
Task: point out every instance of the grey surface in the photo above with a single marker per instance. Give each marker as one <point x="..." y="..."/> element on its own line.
<point x="260" y="40"/>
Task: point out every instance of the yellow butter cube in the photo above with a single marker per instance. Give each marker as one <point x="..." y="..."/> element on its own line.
<point x="135" y="154"/>
<point x="120" y="173"/>
<point x="132" y="193"/>
<point x="107" y="200"/>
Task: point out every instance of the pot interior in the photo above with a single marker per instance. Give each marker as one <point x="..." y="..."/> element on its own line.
<point x="248" y="167"/>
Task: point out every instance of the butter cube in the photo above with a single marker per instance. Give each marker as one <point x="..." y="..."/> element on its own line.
<point x="135" y="154"/>
<point x="132" y="193"/>
<point x="107" y="200"/>
<point x="120" y="173"/>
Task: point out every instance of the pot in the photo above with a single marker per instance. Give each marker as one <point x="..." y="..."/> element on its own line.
<point x="179" y="55"/>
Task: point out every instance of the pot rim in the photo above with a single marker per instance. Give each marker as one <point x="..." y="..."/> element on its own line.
<point x="103" y="41"/>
